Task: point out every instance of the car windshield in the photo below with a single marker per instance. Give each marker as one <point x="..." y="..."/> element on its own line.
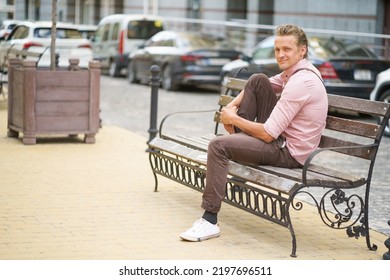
<point x="264" y="53"/>
<point x="143" y="29"/>
<point x="196" y="42"/>
<point x="330" y="47"/>
<point x="62" y="33"/>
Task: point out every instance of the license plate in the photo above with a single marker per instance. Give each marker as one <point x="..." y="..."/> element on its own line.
<point x="218" y="61"/>
<point x="363" y="75"/>
<point x="213" y="61"/>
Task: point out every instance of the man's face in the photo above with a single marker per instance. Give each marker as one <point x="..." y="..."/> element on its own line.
<point x="287" y="51"/>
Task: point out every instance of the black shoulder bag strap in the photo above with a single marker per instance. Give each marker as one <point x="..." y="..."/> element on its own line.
<point x="310" y="71"/>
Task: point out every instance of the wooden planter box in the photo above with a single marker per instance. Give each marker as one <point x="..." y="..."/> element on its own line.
<point x="46" y="102"/>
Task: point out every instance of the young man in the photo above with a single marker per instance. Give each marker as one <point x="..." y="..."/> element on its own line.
<point x="264" y="129"/>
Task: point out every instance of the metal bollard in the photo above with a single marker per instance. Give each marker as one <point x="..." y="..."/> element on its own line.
<point x="155" y="84"/>
<point x="386" y="256"/>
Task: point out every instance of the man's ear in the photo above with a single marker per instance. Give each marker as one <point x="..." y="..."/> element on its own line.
<point x="303" y="51"/>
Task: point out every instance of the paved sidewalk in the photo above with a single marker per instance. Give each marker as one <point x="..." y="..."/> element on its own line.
<point x="63" y="199"/>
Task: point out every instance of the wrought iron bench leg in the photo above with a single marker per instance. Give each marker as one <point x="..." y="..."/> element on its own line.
<point x="292" y="232"/>
<point x="370" y="245"/>
<point x="151" y="158"/>
<point x="155" y="182"/>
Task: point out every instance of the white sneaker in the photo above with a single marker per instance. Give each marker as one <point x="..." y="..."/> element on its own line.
<point x="201" y="230"/>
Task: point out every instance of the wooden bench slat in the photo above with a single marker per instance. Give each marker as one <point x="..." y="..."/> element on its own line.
<point x="225" y="100"/>
<point x="236" y="84"/>
<point x="354" y="127"/>
<point x="198" y="143"/>
<point x="362" y="106"/>
<point x="261" y="178"/>
<point x="318" y="175"/>
<point x="350" y="179"/>
<point x="217" y="117"/>
<point x="363" y="152"/>
<point x="24" y="53"/>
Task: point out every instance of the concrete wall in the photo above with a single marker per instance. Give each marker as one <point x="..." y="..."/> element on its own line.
<point x="346" y="15"/>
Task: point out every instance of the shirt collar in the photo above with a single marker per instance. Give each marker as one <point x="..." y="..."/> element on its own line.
<point x="288" y="72"/>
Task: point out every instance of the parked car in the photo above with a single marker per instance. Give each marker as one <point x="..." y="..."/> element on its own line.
<point x="36" y="37"/>
<point x="87" y="30"/>
<point x="381" y="92"/>
<point x="120" y="34"/>
<point x="6" y="28"/>
<point x="347" y="67"/>
<point x="184" y="58"/>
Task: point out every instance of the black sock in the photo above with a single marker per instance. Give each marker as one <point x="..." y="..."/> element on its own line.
<point x="210" y="217"/>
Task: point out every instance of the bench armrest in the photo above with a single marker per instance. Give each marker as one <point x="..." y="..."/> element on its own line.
<point x="320" y="150"/>
<point x="179" y="113"/>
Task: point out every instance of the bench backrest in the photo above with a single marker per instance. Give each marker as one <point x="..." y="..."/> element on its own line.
<point x="7" y="55"/>
<point x="342" y="131"/>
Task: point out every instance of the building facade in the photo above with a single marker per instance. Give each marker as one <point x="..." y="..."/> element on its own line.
<point x="242" y="19"/>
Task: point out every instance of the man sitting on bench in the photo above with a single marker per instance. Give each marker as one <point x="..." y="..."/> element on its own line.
<point x="265" y="129"/>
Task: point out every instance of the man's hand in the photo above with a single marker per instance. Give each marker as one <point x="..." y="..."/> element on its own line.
<point x="227" y="115"/>
<point x="229" y="128"/>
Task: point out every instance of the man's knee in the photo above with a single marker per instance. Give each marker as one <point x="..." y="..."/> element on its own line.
<point x="258" y="79"/>
<point x="260" y="85"/>
<point x="216" y="145"/>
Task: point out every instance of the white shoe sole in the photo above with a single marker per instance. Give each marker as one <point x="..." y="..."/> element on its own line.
<point x="194" y="239"/>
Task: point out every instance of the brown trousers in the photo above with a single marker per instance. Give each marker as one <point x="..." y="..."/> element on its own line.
<point x="257" y="104"/>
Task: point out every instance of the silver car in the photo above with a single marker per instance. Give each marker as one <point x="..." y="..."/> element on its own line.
<point x="381" y="92"/>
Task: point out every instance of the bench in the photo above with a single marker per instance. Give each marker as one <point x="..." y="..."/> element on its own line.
<point x="341" y="194"/>
<point x="6" y="55"/>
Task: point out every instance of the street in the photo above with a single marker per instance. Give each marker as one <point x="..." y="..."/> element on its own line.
<point x="128" y="106"/>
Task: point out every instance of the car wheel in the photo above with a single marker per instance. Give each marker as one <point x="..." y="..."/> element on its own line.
<point x="131" y="73"/>
<point x="113" y="70"/>
<point x="385" y="97"/>
<point x="167" y="79"/>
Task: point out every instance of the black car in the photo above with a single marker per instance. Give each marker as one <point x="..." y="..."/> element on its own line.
<point x="347" y="66"/>
<point x="184" y="58"/>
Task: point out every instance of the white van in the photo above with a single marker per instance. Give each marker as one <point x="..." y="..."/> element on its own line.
<point x="117" y="35"/>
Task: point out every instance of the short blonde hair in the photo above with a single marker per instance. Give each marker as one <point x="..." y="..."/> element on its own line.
<point x="294" y="30"/>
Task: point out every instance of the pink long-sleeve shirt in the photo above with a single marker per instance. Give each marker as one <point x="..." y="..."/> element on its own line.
<point x="300" y="114"/>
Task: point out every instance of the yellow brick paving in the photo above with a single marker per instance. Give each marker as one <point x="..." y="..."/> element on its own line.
<point x="62" y="199"/>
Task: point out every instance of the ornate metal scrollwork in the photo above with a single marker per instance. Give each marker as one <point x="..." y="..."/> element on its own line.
<point x="257" y="201"/>
<point x="357" y="231"/>
<point x="187" y="174"/>
<point x="339" y="211"/>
